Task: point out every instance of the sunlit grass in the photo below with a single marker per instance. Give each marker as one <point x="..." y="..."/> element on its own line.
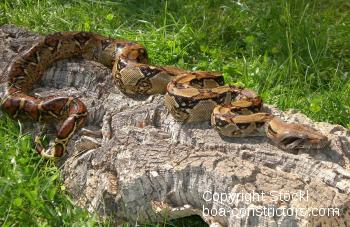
<point x="296" y="54"/>
<point x="30" y="190"/>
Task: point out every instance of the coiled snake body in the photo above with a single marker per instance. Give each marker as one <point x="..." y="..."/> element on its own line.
<point x="191" y="96"/>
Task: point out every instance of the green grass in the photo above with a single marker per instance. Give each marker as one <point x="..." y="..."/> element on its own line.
<point x="30" y="190"/>
<point x="295" y="53"/>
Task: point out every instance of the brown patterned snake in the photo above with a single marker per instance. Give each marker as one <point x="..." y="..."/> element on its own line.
<point x="191" y="96"/>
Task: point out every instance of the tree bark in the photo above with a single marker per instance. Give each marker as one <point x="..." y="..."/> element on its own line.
<point x="145" y="166"/>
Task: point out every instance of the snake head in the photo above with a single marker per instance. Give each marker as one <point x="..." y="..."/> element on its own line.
<point x="295" y="136"/>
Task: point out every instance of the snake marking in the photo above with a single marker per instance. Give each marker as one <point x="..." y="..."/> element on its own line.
<point x="190" y="96"/>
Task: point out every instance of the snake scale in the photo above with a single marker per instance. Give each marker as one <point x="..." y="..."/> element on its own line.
<point x="190" y="96"/>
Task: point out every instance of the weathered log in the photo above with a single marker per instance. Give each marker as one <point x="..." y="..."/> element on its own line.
<point x="145" y="166"/>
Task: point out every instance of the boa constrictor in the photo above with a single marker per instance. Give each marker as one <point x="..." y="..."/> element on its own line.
<point x="191" y="96"/>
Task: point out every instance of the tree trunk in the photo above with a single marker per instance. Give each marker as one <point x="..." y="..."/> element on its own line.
<point x="145" y="166"/>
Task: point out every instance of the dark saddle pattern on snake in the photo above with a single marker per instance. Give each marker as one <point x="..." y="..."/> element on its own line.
<point x="190" y="96"/>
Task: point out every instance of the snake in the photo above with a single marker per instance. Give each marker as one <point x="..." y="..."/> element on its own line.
<point x="190" y="97"/>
